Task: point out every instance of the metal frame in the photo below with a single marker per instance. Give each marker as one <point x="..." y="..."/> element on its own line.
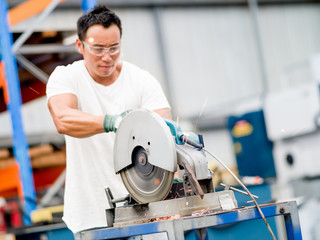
<point x="176" y="3"/>
<point x="175" y="229"/>
<point x="20" y="144"/>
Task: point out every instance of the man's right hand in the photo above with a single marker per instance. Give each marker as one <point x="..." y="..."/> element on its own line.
<point x="111" y="122"/>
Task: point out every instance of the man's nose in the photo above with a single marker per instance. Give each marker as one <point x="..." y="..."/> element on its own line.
<point x="106" y="56"/>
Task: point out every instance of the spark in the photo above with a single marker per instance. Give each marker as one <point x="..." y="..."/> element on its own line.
<point x="200" y="114"/>
<point x="157" y="219"/>
<point x="178" y="116"/>
<point x="34" y="90"/>
<point x="202" y="212"/>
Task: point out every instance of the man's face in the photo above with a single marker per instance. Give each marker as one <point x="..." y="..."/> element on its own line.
<point x="101" y="68"/>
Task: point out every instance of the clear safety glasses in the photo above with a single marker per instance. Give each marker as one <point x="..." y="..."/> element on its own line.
<point x="100" y="51"/>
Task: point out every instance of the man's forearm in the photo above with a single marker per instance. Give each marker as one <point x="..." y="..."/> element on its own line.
<point x="75" y="123"/>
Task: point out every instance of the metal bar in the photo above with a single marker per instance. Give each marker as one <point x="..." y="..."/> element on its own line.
<point x="181" y="3"/>
<point x="20" y="144"/>
<point x="54" y="188"/>
<point x="237" y="190"/>
<point x="292" y="225"/>
<point x="46" y="48"/>
<point x="86" y="5"/>
<point x="26" y="34"/>
<point x="253" y="8"/>
<point x="163" y="58"/>
<point x="33" y="69"/>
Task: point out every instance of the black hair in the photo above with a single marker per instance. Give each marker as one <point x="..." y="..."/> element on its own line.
<point x="98" y="15"/>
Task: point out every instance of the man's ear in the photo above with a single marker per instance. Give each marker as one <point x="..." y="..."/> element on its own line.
<point x="79" y="46"/>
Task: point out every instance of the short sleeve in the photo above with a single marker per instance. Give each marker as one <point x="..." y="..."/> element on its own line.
<point x="153" y="96"/>
<point x="60" y="81"/>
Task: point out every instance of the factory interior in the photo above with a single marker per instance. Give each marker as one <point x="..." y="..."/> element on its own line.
<point x="241" y="76"/>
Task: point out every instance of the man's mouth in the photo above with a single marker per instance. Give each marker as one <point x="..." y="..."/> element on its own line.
<point x="106" y="67"/>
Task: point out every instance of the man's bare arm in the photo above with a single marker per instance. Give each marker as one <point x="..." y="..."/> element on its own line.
<point x="70" y="120"/>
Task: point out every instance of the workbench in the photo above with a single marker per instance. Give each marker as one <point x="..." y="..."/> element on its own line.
<point x="211" y="226"/>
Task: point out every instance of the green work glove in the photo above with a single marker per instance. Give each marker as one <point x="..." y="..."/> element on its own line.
<point x="111" y="122"/>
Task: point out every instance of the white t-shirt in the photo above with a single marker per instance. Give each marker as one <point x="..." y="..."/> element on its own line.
<point x="90" y="160"/>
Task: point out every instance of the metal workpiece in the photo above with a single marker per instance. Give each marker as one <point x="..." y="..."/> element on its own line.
<point x="174" y="208"/>
<point x="177" y="228"/>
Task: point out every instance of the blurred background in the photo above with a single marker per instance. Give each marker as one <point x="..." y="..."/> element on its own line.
<point x="244" y="74"/>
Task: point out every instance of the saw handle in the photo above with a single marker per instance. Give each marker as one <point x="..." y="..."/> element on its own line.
<point x="186" y="139"/>
<point x="182" y="138"/>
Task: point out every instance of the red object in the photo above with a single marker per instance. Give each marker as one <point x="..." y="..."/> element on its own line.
<point x="44" y="177"/>
<point x="13" y="209"/>
<point x="3" y="225"/>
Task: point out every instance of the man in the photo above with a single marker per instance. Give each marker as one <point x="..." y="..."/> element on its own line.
<point x="86" y="99"/>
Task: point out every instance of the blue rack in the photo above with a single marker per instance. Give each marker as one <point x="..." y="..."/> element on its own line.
<point x="20" y="143"/>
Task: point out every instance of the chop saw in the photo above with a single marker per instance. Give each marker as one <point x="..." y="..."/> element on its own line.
<point x="148" y="151"/>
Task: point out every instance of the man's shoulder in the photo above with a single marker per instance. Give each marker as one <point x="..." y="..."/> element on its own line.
<point x="133" y="69"/>
<point x="75" y="66"/>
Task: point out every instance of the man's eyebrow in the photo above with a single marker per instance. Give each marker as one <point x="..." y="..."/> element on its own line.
<point x="102" y="45"/>
<point x="97" y="45"/>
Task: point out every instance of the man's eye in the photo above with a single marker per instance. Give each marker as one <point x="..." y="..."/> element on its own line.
<point x="112" y="49"/>
<point x="99" y="49"/>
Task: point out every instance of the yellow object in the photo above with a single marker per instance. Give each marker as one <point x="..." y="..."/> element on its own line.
<point x="212" y="165"/>
<point x="7" y="236"/>
<point x="45" y="214"/>
<point x="241" y="129"/>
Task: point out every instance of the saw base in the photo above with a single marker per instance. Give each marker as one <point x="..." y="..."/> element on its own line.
<point x="172" y="208"/>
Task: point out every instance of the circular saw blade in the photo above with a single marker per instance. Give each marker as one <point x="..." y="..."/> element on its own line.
<point x="145" y="155"/>
<point x="147" y="188"/>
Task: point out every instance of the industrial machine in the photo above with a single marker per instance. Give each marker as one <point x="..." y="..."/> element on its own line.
<point x="171" y="190"/>
<point x="148" y="152"/>
<point x="292" y="123"/>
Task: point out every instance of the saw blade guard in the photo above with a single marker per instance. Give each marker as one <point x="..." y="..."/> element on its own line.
<point x="144" y="129"/>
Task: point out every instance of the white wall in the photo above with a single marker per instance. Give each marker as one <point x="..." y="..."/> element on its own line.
<point x="290" y="37"/>
<point x="211" y="53"/>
